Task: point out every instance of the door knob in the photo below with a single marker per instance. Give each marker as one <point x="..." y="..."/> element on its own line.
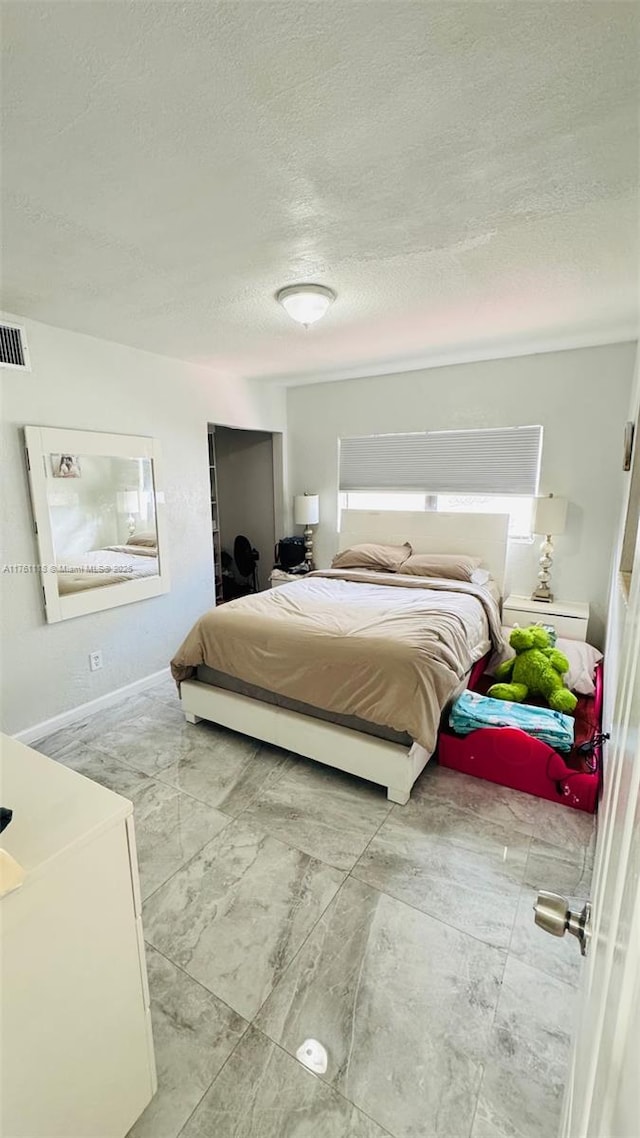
<point x="553" y="914"/>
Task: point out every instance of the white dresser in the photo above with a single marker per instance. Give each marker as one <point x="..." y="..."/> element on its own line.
<point x="281" y="577"/>
<point x="77" y="1049"/>
<point x="569" y="618"/>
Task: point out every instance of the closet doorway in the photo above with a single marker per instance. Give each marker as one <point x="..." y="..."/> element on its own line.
<point x="243" y="468"/>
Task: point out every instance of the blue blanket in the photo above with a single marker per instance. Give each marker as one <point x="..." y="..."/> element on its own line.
<point x="471" y="711"/>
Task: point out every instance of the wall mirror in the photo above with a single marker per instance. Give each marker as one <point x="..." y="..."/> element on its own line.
<point x="98" y="512"/>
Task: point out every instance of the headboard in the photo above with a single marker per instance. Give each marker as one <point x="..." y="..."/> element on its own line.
<point x="482" y="535"/>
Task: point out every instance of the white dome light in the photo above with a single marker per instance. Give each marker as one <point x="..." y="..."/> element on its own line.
<point x="306" y="303"/>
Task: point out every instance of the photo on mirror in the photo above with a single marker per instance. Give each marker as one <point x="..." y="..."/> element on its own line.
<point x="65" y="466"/>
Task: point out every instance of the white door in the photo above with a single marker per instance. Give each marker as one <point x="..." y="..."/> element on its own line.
<point x="602" y="1098"/>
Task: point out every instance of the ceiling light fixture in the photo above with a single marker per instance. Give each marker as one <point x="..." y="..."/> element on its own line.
<point x="306" y="303"/>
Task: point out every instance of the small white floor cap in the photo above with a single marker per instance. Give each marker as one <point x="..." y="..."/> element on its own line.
<point x="313" y="1055"/>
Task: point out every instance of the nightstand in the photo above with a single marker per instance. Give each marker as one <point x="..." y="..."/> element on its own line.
<point x="569" y="618"/>
<point x="281" y="577"/>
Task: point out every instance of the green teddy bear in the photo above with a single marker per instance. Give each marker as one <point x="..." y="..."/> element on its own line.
<point x="536" y="669"/>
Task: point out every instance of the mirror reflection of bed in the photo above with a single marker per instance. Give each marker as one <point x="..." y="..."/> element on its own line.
<point x="98" y="511"/>
<point x="102" y="512"/>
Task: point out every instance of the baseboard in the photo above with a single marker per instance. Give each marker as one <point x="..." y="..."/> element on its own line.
<point x="75" y="714"/>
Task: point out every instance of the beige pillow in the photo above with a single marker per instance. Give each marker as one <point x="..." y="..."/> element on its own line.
<point x="143" y="539"/>
<point x="455" y="566"/>
<point x="370" y="555"/>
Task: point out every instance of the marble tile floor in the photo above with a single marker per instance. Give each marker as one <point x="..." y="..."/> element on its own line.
<point x="285" y="903"/>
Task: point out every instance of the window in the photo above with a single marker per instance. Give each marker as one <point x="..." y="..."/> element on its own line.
<point x="487" y="471"/>
<point x="519" y="509"/>
<point x="363" y="500"/>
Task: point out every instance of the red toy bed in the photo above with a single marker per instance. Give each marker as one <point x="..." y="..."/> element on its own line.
<point x="509" y="756"/>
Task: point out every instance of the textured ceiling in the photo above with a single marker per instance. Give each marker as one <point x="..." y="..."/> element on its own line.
<point x="464" y="175"/>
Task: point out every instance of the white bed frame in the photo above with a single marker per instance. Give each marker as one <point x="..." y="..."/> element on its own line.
<point x="389" y="764"/>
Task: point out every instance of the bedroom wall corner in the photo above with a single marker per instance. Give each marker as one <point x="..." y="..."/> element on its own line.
<point x="579" y="396"/>
<point x="78" y="381"/>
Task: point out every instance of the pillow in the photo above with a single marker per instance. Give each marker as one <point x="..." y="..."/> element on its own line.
<point x="582" y="659"/>
<point x="455" y="566"/>
<point x="134" y="550"/>
<point x="370" y="555"/>
<point x="480" y="576"/>
<point x="143" y="539"/>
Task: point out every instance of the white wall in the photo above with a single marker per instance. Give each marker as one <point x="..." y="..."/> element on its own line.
<point x="631" y="500"/>
<point x="244" y="461"/>
<point x="81" y="382"/>
<point x="581" y="399"/>
<point x="619" y="588"/>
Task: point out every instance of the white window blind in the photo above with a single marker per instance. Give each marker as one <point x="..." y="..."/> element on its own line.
<point x="498" y="461"/>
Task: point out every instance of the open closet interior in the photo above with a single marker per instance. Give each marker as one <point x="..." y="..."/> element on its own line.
<point x="241" y="472"/>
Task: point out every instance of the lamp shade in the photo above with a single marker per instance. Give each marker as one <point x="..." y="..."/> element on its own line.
<point x="549" y="515"/>
<point x="306" y="303"/>
<point x="306" y="509"/>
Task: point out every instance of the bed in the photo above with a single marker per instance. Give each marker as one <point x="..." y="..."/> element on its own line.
<point x="352" y="668"/>
<point x="110" y="566"/>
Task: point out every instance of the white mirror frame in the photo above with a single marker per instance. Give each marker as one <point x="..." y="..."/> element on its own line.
<point x="40" y="443"/>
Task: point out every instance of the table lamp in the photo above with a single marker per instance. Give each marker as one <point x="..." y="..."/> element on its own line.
<point x="129" y="503"/>
<point x="306" y="512"/>
<point x="549" y="517"/>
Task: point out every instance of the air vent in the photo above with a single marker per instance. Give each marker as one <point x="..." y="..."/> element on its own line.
<point x="13" y="347"/>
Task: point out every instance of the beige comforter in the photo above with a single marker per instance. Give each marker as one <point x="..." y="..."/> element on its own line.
<point x="112" y="565"/>
<point x="388" y="648"/>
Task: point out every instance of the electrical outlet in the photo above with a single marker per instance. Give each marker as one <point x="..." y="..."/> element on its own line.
<point x="95" y="661"/>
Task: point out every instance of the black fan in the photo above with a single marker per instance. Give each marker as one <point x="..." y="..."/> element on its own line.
<point x="246" y="558"/>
